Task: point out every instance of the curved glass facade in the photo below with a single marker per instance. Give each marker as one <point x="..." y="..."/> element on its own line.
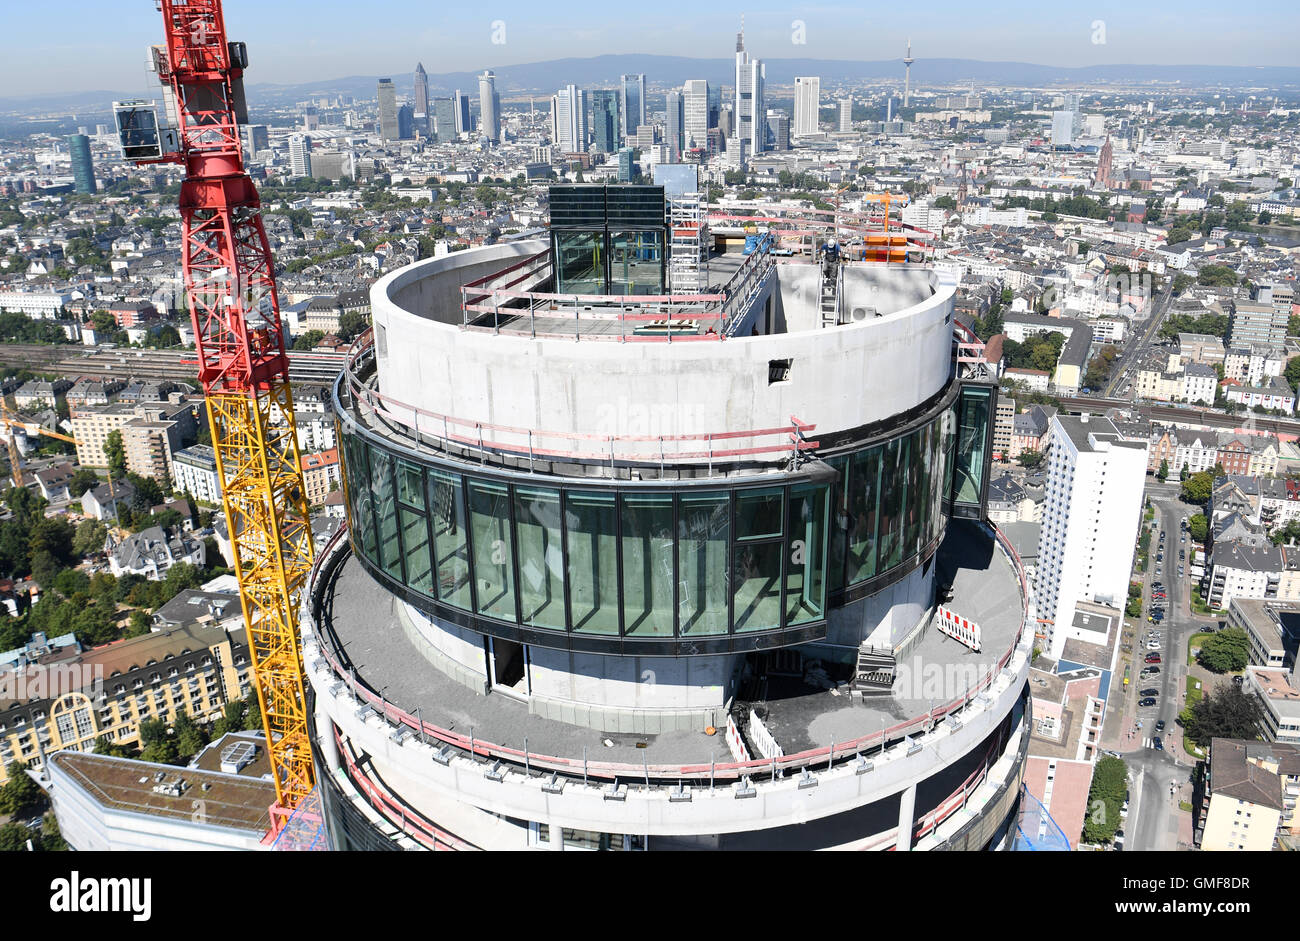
<point x="527" y="557"/>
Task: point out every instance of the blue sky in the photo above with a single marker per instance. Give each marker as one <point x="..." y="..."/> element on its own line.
<point x="297" y="40"/>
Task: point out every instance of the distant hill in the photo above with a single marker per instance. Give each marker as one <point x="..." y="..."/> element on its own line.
<point x="545" y="77"/>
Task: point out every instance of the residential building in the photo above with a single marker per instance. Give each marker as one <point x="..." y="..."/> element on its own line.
<point x="40" y="393"/>
<point x="53" y="482"/>
<point x="109" y="690"/>
<point x="103" y="502"/>
<point x="300" y="155"/>
<point x="1276" y="394"/>
<point x="320" y="475"/>
<point x="1243" y="803"/>
<point x="1279" y="699"/>
<point x="1199" y="383"/>
<point x="151" y="552"/>
<point x="195" y="473"/>
<point x="1031" y="430"/>
<point x="1094" y="499"/>
<point x="1239" y="570"/>
<point x="1003" y="427"/>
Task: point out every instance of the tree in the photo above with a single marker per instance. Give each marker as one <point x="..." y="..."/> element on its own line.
<point x="309" y="339"/>
<point x="1163" y="473"/>
<point x="139" y="625"/>
<point x="1226" y="651"/>
<point x="1226" y="712"/>
<point x="1198" y="527"/>
<point x="84" y="479"/>
<point x="1030" y="458"/>
<point x="115" y="452"/>
<point x="190" y="738"/>
<point x="352" y="324"/>
<point x="1217" y="276"/>
<point x="89" y="537"/>
<point x="1198" y="488"/>
<point x="1105" y="797"/>
<point x="20" y="794"/>
<point x="945" y="202"/>
<point x="106" y="746"/>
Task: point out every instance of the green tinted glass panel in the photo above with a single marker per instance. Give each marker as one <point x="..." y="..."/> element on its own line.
<point x="840" y="522"/>
<point x="541" y="557"/>
<point x="758" y="513"/>
<point x="381" y="485"/>
<point x="864" y="514"/>
<point x="489" y="519"/>
<point x="410" y="484"/>
<point x="702" y="563"/>
<point x="972" y="441"/>
<point x="415" y="539"/>
<point x="805" y="566"/>
<point x="913" y="499"/>
<point x="591" y="521"/>
<point x="893" y="496"/>
<point x="648" y="565"/>
<point x="363" y="503"/>
<point x="580" y="262"/>
<point x="756" y="582"/>
<point x="938" y="474"/>
<point x="447" y="517"/>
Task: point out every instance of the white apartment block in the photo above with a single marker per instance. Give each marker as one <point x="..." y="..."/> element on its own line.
<point x="1089" y="529"/>
<point x="195" y="472"/>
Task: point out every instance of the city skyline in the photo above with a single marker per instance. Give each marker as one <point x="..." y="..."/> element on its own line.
<point x="1113" y="34"/>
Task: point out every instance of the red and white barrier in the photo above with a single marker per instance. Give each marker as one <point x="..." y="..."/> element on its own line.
<point x="959" y="629"/>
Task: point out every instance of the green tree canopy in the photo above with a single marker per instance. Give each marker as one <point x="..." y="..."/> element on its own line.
<point x="1105" y="798"/>
<point x="1225" y="651"/>
<point x="1198" y="488"/>
<point x="1225" y="712"/>
<point x="1198" y="527"/>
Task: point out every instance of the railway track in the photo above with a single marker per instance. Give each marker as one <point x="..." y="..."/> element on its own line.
<point x="73" y="362"/>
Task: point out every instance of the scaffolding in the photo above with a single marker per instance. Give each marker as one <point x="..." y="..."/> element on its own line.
<point x="304" y="831"/>
<point x="1036" y="831"/>
<point x="688" y="258"/>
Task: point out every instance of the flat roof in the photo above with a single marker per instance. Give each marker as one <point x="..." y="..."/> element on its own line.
<point x="232" y="801"/>
<point x="985" y="588"/>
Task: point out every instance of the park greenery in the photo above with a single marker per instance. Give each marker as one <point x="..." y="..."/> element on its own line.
<point x="1038" y="351"/>
<point x="1105" y="798"/>
<point x="1225" y="651"/>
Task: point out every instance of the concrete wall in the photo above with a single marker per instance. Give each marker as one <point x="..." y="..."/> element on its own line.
<point x="886" y="617"/>
<point x="841" y="378"/>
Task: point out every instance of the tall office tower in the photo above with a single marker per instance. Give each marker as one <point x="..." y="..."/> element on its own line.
<point x="606" y="133"/>
<point x="695" y="114"/>
<point x="846" y="115"/>
<point x="750" y="113"/>
<point x="907" y="76"/>
<point x="1094" y="501"/>
<point x="570" y="119"/>
<point x="388" y="129"/>
<point x="645" y="137"/>
<point x="405" y="122"/>
<point x="631" y="102"/>
<point x="889" y="109"/>
<point x="489" y="104"/>
<point x="625" y="164"/>
<point x="807" y="101"/>
<point x="554" y="586"/>
<point x="1062" y="128"/>
<point x="727" y="122"/>
<point x="83" y="168"/>
<point x="310" y="118"/>
<point x="1262" y="323"/>
<point x="257" y="138"/>
<point x="715" y="105"/>
<point x="778" y="127"/>
<point x="422" y="112"/>
<point x="464" y="121"/>
<point x="1071" y="102"/>
<point x="444" y="119"/>
<point x="674" y="124"/>
<point x="300" y="155"/>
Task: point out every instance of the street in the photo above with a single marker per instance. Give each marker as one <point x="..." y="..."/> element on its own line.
<point x="1154" y="821"/>
<point x="1138" y="344"/>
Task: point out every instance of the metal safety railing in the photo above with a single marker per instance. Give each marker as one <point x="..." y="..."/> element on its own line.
<point x="651" y="774"/>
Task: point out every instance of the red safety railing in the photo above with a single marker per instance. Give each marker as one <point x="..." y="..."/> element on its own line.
<point x="489" y="437"/>
<point x="662" y="774"/>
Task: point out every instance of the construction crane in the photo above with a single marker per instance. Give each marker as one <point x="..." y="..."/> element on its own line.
<point x="30" y="428"/>
<point x="230" y="291"/>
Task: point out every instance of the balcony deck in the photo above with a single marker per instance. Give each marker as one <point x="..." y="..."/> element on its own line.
<point x="361" y="627"/>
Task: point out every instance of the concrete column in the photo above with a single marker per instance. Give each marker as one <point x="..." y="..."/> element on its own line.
<point x="325" y="739"/>
<point x="906" y="811"/>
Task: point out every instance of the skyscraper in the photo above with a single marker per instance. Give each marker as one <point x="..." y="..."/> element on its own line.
<point x="257" y="138"/>
<point x="846" y="114"/>
<point x="444" y="119"/>
<point x="778" y="126"/>
<point x="674" y="124"/>
<point x="422" y="112"/>
<point x="695" y="114"/>
<point x="807" y="98"/>
<point x="604" y="120"/>
<point x="1062" y="128"/>
<point x="300" y="155"/>
<point x="461" y="111"/>
<point x="388" y="129"/>
<point x="489" y="103"/>
<point x="631" y="92"/>
<point x="569" y="115"/>
<point x="405" y="123"/>
<point x="83" y="169"/>
<point x="749" y="113"/>
<point x="1090" y="518"/>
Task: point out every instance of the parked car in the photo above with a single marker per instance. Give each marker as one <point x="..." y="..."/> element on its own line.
<point x="1150" y="671"/>
<point x="1144" y="703"/>
<point x="1153" y="658"/>
<point x="1157" y="744"/>
<point x="1152" y="691"/>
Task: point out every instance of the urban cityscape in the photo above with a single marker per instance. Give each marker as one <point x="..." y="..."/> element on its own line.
<point x="735" y="445"/>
